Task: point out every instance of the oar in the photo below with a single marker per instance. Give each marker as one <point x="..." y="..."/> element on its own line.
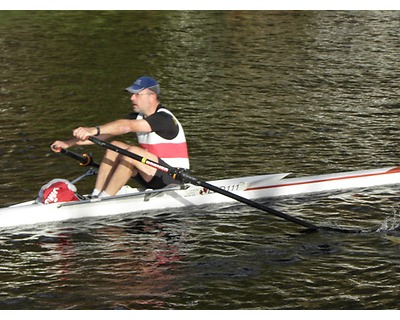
<point x="184" y="176"/>
<point x="84" y="159"/>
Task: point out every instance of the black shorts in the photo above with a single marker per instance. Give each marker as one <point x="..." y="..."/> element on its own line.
<point x="160" y="180"/>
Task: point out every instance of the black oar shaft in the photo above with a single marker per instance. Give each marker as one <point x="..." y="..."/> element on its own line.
<point x="259" y="206"/>
<point x="184" y="176"/>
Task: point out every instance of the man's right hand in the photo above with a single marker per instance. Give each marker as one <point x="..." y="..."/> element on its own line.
<point x="83" y="133"/>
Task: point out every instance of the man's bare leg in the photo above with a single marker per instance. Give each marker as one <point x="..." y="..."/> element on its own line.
<point x="108" y="166"/>
<point x="126" y="167"/>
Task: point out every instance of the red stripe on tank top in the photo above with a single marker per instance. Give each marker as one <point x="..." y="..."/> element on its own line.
<point x="167" y="150"/>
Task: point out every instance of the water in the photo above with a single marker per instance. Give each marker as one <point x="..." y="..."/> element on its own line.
<point x="303" y="92"/>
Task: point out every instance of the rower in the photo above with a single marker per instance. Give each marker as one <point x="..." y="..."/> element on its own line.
<point x="160" y="136"/>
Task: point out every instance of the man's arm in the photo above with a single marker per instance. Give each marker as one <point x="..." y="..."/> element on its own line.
<point x="114" y="128"/>
<point x="108" y="130"/>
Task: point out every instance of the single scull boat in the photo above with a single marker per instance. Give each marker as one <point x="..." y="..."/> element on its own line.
<point x="132" y="200"/>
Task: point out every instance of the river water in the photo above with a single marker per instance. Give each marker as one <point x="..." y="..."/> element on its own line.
<point x="306" y="92"/>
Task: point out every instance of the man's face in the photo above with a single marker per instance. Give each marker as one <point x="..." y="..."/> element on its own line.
<point x="143" y="100"/>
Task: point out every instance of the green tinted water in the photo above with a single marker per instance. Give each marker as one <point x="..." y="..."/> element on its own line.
<point x="257" y="92"/>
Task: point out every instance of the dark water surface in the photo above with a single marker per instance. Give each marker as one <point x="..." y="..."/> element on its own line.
<point x="257" y="92"/>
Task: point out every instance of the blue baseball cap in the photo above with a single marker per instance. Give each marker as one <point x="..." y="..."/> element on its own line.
<point x="144" y="83"/>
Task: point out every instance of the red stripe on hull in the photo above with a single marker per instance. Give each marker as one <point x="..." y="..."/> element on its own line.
<point x="391" y="171"/>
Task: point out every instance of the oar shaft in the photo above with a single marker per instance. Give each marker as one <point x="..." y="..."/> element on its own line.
<point x="184" y="176"/>
<point x="259" y="206"/>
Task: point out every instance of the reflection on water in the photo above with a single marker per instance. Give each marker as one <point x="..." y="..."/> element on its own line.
<point x="303" y="92"/>
<point x="138" y="270"/>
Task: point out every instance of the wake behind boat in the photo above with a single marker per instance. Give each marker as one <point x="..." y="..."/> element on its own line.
<point x="132" y="200"/>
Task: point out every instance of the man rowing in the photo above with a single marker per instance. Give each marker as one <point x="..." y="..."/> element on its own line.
<point x="160" y="136"/>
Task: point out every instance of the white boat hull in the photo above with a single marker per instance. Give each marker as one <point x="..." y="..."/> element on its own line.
<point x="254" y="187"/>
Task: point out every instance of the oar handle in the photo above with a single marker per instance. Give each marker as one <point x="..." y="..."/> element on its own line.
<point x="84" y="159"/>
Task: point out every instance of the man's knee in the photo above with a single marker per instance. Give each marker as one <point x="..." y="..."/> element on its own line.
<point x="112" y="154"/>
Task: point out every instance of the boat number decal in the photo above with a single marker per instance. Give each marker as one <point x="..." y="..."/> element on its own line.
<point x="231" y="188"/>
